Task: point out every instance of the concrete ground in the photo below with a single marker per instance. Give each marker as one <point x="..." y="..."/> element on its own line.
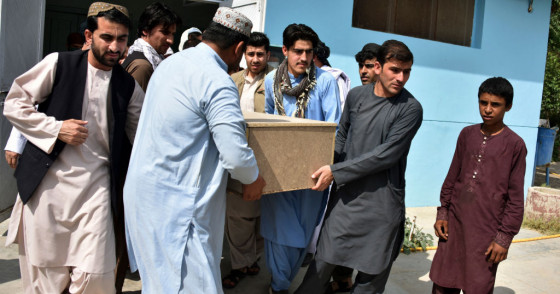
<point x="531" y="267"/>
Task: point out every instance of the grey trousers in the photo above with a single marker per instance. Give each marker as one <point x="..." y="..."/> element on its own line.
<point x="319" y="273"/>
<point x="243" y="231"/>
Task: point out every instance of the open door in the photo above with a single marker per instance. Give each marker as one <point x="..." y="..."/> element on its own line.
<point x="21" y="42"/>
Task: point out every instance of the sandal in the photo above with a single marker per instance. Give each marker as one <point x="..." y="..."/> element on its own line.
<point x="253" y="270"/>
<point x="339" y="286"/>
<point x="233" y="279"/>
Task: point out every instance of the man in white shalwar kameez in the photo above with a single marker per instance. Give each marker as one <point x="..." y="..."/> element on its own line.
<point x="190" y="134"/>
<point x="63" y="225"/>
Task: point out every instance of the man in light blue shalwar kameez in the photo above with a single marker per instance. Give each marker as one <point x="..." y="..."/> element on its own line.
<point x="288" y="219"/>
<point x="191" y="131"/>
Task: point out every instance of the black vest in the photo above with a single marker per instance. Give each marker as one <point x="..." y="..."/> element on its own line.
<point x="65" y="102"/>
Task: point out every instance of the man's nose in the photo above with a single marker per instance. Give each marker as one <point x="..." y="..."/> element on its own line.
<point x="113" y="46"/>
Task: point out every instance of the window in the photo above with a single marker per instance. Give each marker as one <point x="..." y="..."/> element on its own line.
<point x="449" y="21"/>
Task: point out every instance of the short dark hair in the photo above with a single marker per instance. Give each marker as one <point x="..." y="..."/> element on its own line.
<point x="497" y="86"/>
<point x="191" y="43"/>
<point x="362" y="56"/>
<point x="223" y="36"/>
<point x="155" y="14"/>
<point x="368" y="52"/>
<point x="322" y="51"/>
<point x="258" y="39"/>
<point x="194" y="35"/>
<point x="394" y="49"/>
<point x="295" y="32"/>
<point x="112" y="15"/>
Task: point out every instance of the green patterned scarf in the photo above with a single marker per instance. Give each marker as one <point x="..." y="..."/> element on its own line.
<point x="282" y="85"/>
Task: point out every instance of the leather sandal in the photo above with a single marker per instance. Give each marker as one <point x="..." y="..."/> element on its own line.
<point x="233" y="279"/>
<point x="338" y="286"/>
<point x="253" y="270"/>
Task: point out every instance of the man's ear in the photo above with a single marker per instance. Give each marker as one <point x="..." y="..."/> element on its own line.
<point x="89" y="35"/>
<point x="509" y="107"/>
<point x="239" y="48"/>
<point x="284" y="50"/>
<point x="377" y="67"/>
<point x="267" y="56"/>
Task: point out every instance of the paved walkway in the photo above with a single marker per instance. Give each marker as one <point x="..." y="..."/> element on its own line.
<point x="531" y="267"/>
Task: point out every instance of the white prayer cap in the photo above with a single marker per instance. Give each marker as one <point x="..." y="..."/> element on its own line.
<point x="233" y="20"/>
<point x="192" y="30"/>
<point x="185" y="36"/>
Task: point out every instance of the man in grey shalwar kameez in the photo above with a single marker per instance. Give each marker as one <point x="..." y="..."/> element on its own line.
<point x="364" y="226"/>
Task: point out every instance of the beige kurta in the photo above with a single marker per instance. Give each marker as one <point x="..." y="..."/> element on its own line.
<point x="250" y="86"/>
<point x="68" y="221"/>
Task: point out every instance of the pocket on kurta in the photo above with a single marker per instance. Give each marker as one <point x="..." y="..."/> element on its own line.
<point x="398" y="193"/>
<point x="395" y="205"/>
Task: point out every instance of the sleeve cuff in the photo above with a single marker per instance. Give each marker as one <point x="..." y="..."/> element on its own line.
<point x="47" y="145"/>
<point x="442" y="213"/>
<point x="503" y="240"/>
<point x="16" y="142"/>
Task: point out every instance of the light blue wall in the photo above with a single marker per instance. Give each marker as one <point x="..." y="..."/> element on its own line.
<point x="508" y="42"/>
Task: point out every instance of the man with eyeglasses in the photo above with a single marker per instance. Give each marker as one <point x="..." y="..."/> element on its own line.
<point x="243" y="217"/>
<point x="299" y="89"/>
<point x="365" y="59"/>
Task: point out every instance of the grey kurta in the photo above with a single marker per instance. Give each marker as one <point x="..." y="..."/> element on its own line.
<point x="364" y="224"/>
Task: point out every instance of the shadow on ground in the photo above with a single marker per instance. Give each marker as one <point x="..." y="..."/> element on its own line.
<point x="503" y="290"/>
<point x="7" y="272"/>
<point x="410" y="274"/>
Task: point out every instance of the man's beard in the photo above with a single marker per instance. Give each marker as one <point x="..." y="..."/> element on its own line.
<point x="101" y="58"/>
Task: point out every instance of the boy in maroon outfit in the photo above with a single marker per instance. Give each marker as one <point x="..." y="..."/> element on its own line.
<point x="481" y="199"/>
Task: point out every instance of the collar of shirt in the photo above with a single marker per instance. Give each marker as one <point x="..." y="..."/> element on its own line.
<point x="249" y="80"/>
<point x="203" y="47"/>
<point x="295" y="81"/>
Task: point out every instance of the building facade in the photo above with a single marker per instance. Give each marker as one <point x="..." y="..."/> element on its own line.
<point x="457" y="44"/>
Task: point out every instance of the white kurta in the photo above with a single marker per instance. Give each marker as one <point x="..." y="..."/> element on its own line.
<point x="68" y="221"/>
<point x="248" y="94"/>
<point x="342" y="81"/>
<point x="16" y="142"/>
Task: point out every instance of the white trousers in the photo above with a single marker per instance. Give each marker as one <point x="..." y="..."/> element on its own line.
<point x="39" y="280"/>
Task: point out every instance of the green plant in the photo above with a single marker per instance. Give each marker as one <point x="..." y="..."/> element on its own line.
<point x="546" y="226"/>
<point x="414" y="237"/>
